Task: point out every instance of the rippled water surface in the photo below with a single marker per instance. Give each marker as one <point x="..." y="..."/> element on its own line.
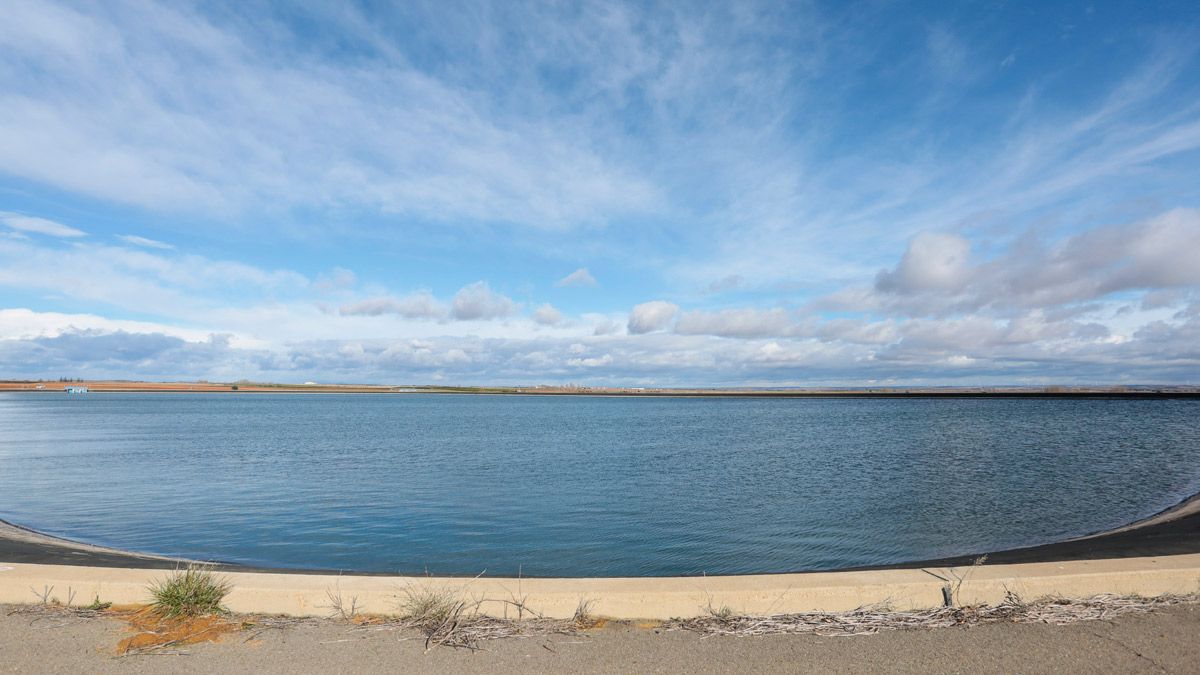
<point x="584" y="486"/>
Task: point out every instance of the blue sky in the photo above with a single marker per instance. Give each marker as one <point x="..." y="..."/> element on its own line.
<point x="601" y="193"/>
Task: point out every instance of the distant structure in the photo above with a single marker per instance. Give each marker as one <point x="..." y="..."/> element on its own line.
<point x="76" y="390"/>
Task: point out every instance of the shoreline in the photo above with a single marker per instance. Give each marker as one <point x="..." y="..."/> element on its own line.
<point x="1156" y="557"/>
<point x="890" y="392"/>
<point x="1082" y="395"/>
<point x="1172" y="531"/>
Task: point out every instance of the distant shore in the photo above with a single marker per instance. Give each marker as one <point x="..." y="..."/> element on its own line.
<point x="243" y="387"/>
<point x="1173" y="531"/>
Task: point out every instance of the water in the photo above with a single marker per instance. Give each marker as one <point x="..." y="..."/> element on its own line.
<point x="572" y="486"/>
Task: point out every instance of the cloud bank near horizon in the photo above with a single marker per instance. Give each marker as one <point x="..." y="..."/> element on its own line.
<point x="1115" y="304"/>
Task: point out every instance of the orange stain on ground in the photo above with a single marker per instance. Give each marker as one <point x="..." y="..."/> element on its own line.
<point x="153" y="631"/>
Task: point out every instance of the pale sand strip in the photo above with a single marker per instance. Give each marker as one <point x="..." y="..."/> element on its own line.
<point x="636" y="598"/>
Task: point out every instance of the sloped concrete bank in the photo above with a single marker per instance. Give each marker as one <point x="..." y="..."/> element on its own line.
<point x="1172" y="531"/>
<point x="630" y="598"/>
<point x="1159" y="554"/>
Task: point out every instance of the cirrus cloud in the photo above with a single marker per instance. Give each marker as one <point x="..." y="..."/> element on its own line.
<point x="145" y="242"/>
<point x="22" y="223"/>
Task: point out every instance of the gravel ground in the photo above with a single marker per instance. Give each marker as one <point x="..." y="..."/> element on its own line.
<point x="1163" y="641"/>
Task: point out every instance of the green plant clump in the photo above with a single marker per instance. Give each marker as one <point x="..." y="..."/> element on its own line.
<point x="194" y="591"/>
<point x="98" y="606"/>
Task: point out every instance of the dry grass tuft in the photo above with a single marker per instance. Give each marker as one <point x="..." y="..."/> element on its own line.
<point x="427" y="605"/>
<point x="870" y="620"/>
<point x="342" y="608"/>
<point x="50" y="613"/>
<point x="722" y="613"/>
<point x="584" y="619"/>
<point x="194" y="591"/>
<point x="447" y="619"/>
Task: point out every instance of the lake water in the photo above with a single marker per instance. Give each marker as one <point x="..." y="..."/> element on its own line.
<point x="575" y="486"/>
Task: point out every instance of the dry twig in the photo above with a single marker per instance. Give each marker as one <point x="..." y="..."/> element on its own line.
<point x="870" y="620"/>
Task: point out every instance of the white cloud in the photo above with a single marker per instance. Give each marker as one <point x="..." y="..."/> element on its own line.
<point x="170" y="285"/>
<point x="592" y="362"/>
<point x="603" y="325"/>
<point x="580" y="277"/>
<point x="478" y="301"/>
<point x="983" y="350"/>
<point x="933" y="262"/>
<point x="20" y="323"/>
<point x="742" y="323"/>
<point x="144" y="242"/>
<point x="857" y="331"/>
<point x="22" y="223"/>
<point x="418" y="305"/>
<point x="651" y="316"/>
<point x="937" y="275"/>
<point x="1055" y="320"/>
<point x="548" y="315"/>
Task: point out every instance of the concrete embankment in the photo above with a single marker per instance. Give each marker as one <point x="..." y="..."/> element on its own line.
<point x="1157" y="555"/>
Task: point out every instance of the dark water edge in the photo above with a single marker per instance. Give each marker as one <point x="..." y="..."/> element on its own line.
<point x="1179" y="536"/>
<point x="840" y="483"/>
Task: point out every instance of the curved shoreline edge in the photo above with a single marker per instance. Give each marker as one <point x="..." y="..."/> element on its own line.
<point x="1154" y="556"/>
<point x="1172" y="531"/>
<point x="1186" y="507"/>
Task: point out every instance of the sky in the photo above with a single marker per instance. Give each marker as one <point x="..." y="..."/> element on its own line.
<point x="601" y="193"/>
